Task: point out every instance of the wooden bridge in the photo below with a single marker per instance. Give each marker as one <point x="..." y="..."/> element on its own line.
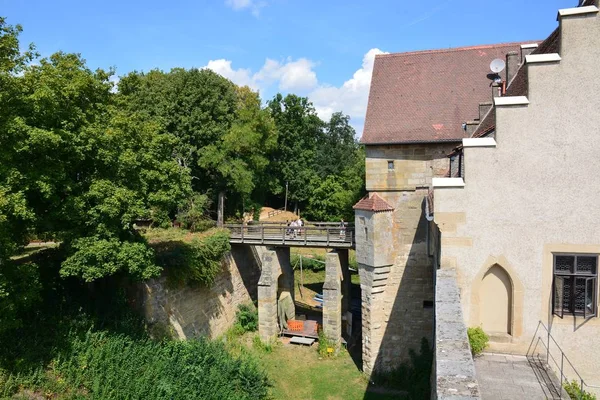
<point x="315" y="234"/>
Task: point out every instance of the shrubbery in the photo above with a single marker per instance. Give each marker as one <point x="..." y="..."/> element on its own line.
<point x="117" y="367"/>
<point x="326" y="347"/>
<point x="478" y="340"/>
<point x="313" y="263"/>
<point x="82" y="341"/>
<point x="246" y="317"/>
<point x="575" y="393"/>
<point x="196" y="261"/>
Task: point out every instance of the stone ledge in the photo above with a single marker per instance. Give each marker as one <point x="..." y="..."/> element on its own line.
<point x="454" y="368"/>
<point x="447" y="182"/>
<point x="529" y="46"/>
<point x="542" y="58"/>
<point x="511" y="101"/>
<point x="479" y="142"/>
<point x="566" y="12"/>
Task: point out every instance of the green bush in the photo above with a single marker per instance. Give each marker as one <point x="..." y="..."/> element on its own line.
<point x="247" y="317"/>
<point x="198" y="261"/>
<point x="314" y="263"/>
<point x="194" y="215"/>
<point x="325" y="346"/>
<point x="574" y="391"/>
<point x="110" y="366"/>
<point x="478" y="340"/>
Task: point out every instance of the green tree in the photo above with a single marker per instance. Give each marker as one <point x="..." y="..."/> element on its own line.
<point x="80" y="168"/>
<point x="197" y="106"/>
<point x="237" y="161"/>
<point x="340" y="167"/>
<point x="299" y="132"/>
<point x="225" y="135"/>
<point x="337" y="149"/>
<point x="19" y="282"/>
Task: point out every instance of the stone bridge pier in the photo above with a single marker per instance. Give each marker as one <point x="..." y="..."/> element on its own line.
<point x="277" y="276"/>
<point x="336" y="294"/>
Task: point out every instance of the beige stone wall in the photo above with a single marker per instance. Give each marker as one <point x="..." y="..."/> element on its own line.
<point x="414" y="165"/>
<point x="189" y="312"/>
<point x="395" y="266"/>
<point x="533" y="194"/>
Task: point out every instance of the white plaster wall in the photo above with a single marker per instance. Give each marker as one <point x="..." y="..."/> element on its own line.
<point x="538" y="191"/>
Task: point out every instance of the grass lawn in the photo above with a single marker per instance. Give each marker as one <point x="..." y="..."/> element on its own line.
<point x="298" y="372"/>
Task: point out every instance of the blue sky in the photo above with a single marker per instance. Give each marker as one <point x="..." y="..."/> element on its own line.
<point x="322" y="49"/>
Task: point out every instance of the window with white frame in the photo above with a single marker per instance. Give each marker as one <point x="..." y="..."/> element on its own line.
<point x="575" y="285"/>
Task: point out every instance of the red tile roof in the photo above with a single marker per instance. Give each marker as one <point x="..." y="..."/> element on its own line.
<point x="425" y="96"/>
<point x="372" y="202"/>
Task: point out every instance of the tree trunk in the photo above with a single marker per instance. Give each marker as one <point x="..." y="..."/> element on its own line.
<point x="220" y="209"/>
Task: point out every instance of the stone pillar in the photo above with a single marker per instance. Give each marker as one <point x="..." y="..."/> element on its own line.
<point x="332" y="298"/>
<point x="267" y="296"/>
<point x="346" y="284"/>
<point x="286" y="281"/>
<point x="374" y="321"/>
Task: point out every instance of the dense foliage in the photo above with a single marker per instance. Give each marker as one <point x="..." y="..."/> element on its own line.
<point x="246" y="318"/>
<point x="195" y="260"/>
<point x="478" y="340"/>
<point x="96" y="348"/>
<point x="573" y="389"/>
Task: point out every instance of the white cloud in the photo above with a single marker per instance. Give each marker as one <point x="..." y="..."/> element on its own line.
<point x="299" y="77"/>
<point x="114" y="79"/>
<point x="240" y="76"/>
<point x="253" y="5"/>
<point x="289" y="75"/>
<point x="351" y="98"/>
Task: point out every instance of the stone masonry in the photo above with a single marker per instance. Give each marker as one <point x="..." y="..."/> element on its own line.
<point x="277" y="276"/>
<point x="190" y="312"/>
<point x="395" y="265"/>
<point x="453" y="374"/>
<point x="335" y="293"/>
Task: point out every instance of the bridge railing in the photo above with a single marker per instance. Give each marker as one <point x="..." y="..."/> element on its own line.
<point x="273" y="213"/>
<point x="319" y="236"/>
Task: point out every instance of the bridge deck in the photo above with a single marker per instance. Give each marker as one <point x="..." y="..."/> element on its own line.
<point x="281" y="235"/>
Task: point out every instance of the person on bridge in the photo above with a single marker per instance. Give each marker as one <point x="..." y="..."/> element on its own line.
<point x="300" y="224"/>
<point x="342" y="229"/>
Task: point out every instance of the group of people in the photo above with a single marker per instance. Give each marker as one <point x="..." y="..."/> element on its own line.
<point x="294" y="228"/>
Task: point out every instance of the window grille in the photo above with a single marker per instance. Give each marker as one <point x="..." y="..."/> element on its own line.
<point x="575" y="285"/>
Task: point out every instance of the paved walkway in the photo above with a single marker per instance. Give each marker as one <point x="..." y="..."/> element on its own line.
<point x="508" y="377"/>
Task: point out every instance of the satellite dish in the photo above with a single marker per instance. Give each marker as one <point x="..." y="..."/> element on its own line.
<point x="497" y="65"/>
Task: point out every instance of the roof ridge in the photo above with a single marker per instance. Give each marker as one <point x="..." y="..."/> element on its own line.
<point x="455" y="49"/>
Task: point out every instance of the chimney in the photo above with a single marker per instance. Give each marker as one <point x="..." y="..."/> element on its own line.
<point x="483" y="109"/>
<point x="512" y="65"/>
<point x="470" y="127"/>
<point x="527" y="49"/>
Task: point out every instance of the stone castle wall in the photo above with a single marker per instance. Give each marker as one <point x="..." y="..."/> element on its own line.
<point x="190" y="312"/>
<point x="394" y="259"/>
